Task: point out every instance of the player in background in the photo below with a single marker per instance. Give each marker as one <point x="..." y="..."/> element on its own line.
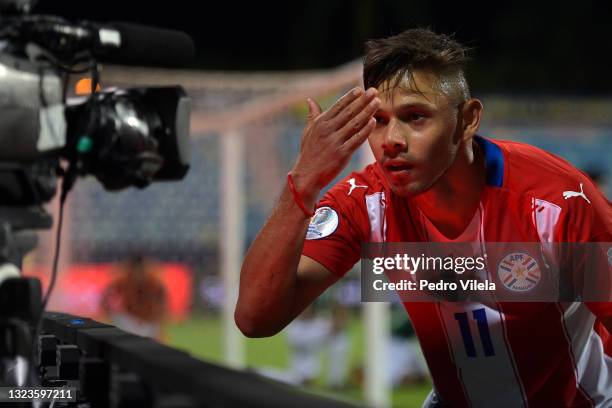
<point x="436" y="180"/>
<point x="136" y="300"/>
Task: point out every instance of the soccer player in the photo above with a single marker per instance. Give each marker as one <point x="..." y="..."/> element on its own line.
<point x="136" y="300"/>
<point x="436" y="180"/>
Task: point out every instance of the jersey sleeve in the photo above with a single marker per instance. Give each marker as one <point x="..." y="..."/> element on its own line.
<point x="589" y="216"/>
<point x="335" y="232"/>
<point x="590" y="224"/>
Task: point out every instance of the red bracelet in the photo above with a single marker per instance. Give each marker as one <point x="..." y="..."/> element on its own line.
<point x="296" y="196"/>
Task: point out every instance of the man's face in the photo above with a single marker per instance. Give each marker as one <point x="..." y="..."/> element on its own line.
<point x="417" y="134"/>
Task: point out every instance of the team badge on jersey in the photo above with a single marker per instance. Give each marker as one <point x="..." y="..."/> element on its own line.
<point x="519" y="271"/>
<point x="323" y="223"/>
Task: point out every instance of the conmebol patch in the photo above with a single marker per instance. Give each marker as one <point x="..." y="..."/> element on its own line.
<point x="323" y="223"/>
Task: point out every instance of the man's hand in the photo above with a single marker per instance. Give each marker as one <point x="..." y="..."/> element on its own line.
<point x="330" y="138"/>
<point x="276" y="281"/>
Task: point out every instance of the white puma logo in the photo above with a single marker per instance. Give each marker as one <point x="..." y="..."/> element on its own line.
<point x="569" y="194"/>
<point x="354" y="185"/>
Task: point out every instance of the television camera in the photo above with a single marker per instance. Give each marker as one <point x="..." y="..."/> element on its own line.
<point x="123" y="137"/>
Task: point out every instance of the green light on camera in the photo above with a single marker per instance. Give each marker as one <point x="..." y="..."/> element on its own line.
<point x="84" y="145"/>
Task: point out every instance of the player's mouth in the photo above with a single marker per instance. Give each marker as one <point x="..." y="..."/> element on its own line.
<point x="398" y="168"/>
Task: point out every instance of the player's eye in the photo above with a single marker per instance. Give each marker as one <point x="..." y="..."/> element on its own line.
<point x="380" y="120"/>
<point x="413" y="117"/>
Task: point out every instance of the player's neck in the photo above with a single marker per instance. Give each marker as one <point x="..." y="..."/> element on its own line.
<point x="453" y="200"/>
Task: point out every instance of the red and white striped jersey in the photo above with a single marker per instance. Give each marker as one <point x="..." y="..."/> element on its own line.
<point x="516" y="354"/>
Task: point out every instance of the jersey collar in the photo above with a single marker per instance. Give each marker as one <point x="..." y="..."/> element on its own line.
<point x="494" y="160"/>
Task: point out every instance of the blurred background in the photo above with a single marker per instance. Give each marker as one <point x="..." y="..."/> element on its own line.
<point x="542" y="72"/>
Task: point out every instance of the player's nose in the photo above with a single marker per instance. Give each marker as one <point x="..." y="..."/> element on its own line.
<point x="393" y="140"/>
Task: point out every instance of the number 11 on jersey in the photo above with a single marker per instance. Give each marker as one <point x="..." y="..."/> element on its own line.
<point x="480" y="316"/>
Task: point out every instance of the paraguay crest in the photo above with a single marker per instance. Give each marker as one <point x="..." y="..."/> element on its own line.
<point x="519" y="271"/>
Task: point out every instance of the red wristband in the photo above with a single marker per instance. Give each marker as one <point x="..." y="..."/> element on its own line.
<point x="296" y="196"/>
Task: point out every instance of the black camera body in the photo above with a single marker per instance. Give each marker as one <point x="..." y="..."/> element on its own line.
<point x="125" y="137"/>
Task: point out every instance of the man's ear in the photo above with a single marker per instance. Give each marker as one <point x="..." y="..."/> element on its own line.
<point x="471" y="113"/>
